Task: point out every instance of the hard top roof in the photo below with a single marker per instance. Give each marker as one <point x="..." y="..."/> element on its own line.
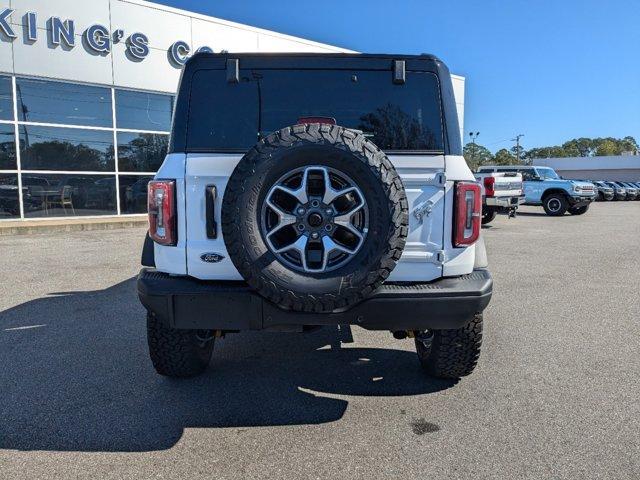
<point x="315" y="60"/>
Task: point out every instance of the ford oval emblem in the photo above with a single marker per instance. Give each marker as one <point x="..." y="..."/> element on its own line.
<point x="211" y="257"/>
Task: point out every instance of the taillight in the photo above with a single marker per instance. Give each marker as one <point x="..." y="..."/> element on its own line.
<point x="161" y="202"/>
<point x="468" y="212"/>
<point x="489" y="183"/>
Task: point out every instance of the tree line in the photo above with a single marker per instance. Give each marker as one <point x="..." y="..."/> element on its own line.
<point x="477" y="155"/>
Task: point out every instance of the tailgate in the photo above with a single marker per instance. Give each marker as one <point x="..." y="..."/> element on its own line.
<point x="507" y="186"/>
<point x="423" y="180"/>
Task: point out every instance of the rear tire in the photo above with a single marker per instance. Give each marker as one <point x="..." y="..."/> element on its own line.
<point x="555" y="204"/>
<point x="488" y="216"/>
<point x="451" y="353"/>
<point x="579" y="210"/>
<point x="178" y="353"/>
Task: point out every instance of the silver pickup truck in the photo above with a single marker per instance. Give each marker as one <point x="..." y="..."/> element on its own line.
<point x="502" y="192"/>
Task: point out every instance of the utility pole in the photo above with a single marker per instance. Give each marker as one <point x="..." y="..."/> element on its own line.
<point x="473" y="141"/>
<point x="517" y="140"/>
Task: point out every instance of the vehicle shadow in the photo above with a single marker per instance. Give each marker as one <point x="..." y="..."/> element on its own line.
<point x="80" y="379"/>
<point x="532" y="214"/>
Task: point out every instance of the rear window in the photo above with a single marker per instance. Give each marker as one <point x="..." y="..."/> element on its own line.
<point x="234" y="116"/>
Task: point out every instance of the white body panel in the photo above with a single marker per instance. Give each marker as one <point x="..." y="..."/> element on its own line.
<point x="428" y="254"/>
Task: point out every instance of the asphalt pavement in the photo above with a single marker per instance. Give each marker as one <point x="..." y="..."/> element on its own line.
<point x="556" y="393"/>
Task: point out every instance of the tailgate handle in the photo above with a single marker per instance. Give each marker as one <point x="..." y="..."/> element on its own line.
<point x="211" y="192"/>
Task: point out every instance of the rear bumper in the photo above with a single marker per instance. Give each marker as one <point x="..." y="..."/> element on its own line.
<point x="186" y="303"/>
<point x="504" y="202"/>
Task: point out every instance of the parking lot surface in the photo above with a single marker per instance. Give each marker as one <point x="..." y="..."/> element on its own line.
<point x="555" y="395"/>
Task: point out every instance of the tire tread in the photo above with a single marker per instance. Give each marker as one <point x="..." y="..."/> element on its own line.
<point x="364" y="150"/>
<point x="173" y="352"/>
<point x="454" y="353"/>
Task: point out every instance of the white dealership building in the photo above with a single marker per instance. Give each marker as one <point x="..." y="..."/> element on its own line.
<point x="86" y="96"/>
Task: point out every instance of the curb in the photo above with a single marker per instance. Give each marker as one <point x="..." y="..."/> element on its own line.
<point x="37" y="227"/>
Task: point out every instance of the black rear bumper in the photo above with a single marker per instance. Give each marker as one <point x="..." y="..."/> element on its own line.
<point x="186" y="303"/>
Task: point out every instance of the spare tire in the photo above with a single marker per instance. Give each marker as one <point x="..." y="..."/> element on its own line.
<point x="314" y="217"/>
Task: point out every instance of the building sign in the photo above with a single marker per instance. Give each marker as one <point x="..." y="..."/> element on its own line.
<point x="96" y="39"/>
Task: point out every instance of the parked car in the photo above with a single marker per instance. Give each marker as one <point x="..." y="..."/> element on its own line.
<point x="632" y="186"/>
<point x="502" y="192"/>
<point x="543" y="186"/>
<point x="631" y="191"/>
<point x="619" y="191"/>
<point x="605" y="192"/>
<point x="306" y="223"/>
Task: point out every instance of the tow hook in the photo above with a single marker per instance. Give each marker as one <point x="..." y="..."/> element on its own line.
<point x="512" y="212"/>
<point x="426" y="338"/>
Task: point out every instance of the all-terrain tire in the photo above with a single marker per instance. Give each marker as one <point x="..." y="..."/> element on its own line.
<point x="579" y="210"/>
<point x="451" y="353"/>
<point x="178" y="353"/>
<point x="488" y="216"/>
<point x="320" y="145"/>
<point x="555" y="204"/>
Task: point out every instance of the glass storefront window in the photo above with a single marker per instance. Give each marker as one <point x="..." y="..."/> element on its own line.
<point x="68" y="145"/>
<point x="63" y="103"/>
<point x="143" y="111"/>
<point x="141" y="152"/>
<point x="133" y="193"/>
<point x="54" y="148"/>
<point x="6" y="99"/>
<point x="7" y="147"/>
<point x="62" y="195"/>
<point x="9" y="200"/>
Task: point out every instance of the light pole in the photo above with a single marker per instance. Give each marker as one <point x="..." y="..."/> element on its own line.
<point x="473" y="141"/>
<point x="517" y="140"/>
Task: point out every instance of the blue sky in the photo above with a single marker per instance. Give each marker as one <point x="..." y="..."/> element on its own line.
<point x="552" y="70"/>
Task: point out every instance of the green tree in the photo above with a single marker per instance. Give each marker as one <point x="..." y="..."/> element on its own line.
<point x="504" y="157"/>
<point x="586" y="147"/>
<point x="476" y="155"/>
<point x="629" y="144"/>
<point x="608" y="146"/>
<point x="578" y="147"/>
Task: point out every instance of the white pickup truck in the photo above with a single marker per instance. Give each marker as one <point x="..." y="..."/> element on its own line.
<point x="501" y="192"/>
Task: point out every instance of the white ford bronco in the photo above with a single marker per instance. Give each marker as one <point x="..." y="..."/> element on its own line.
<point x="303" y="190"/>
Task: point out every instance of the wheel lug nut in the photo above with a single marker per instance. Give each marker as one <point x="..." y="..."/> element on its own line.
<point x="328" y="227"/>
<point x="328" y="211"/>
<point x="301" y="211"/>
<point x="315" y="203"/>
<point x="314" y="235"/>
<point x="300" y="227"/>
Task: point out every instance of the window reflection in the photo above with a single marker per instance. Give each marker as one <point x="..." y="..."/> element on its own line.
<point x="60" y="195"/>
<point x="7" y="147"/>
<point x="143" y="111"/>
<point x="54" y="148"/>
<point x="391" y="127"/>
<point x="396" y="117"/>
<point x="133" y="193"/>
<point x="6" y="99"/>
<point x="141" y="152"/>
<point x="9" y="206"/>
<point x="70" y="151"/>
<point x="63" y="103"/>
